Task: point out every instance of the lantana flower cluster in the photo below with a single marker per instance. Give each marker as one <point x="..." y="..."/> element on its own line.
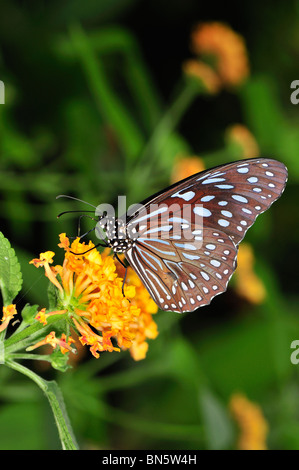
<point x="107" y="314"/>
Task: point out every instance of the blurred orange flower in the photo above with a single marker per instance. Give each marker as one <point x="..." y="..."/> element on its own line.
<point x="90" y="295"/>
<point x="252" y="424"/>
<point x="8" y="313"/>
<point x="239" y="135"/>
<point x="203" y="73"/>
<point x="247" y="284"/>
<point x="226" y="47"/>
<point x="185" y="167"/>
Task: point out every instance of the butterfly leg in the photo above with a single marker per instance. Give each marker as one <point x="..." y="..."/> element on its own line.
<point x="79" y="227"/>
<point x="79" y="224"/>
<point x="126" y="269"/>
<point x="83" y="253"/>
<point x="124" y="280"/>
<point x="82" y="236"/>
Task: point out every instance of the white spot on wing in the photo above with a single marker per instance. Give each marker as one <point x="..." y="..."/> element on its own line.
<point x="213" y="180"/>
<point x="223" y="223"/>
<point x="224" y="186"/>
<point x="244" y="169"/>
<point x="205" y="275"/>
<point x="202" y="211"/>
<point x="186" y="196"/>
<point x="247" y="211"/>
<point x="227" y="213"/>
<point x="210" y="246"/>
<point x="239" y="198"/>
<point x="192" y="257"/>
<point x="252" y="179"/>
<point x="215" y="263"/>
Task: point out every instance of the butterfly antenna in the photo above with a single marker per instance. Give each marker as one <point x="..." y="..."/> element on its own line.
<point x="69" y="212"/>
<point x="75" y="199"/>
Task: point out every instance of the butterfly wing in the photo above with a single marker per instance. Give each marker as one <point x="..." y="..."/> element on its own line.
<point x="232" y="196"/>
<point x="184" y="275"/>
<point x="224" y="201"/>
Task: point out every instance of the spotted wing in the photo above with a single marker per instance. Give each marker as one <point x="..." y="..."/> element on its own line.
<point x="184" y="275"/>
<point x="231" y="196"/>
<point x="177" y="228"/>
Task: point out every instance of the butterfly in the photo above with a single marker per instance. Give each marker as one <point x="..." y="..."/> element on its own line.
<point x="183" y="242"/>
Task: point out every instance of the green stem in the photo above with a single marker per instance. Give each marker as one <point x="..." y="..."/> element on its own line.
<point x="115" y="40"/>
<point x="169" y="431"/>
<point x="53" y="393"/>
<point x="35" y="357"/>
<point x="162" y="430"/>
<point x="110" y="106"/>
<point x="169" y="122"/>
<point x="22" y="339"/>
<point x="156" y="144"/>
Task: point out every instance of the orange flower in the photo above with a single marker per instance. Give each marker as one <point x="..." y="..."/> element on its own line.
<point x="54" y="342"/>
<point x="90" y="294"/>
<point x="204" y="74"/>
<point x="65" y="344"/>
<point x="247" y="284"/>
<point x="252" y="424"/>
<point x="226" y="47"/>
<point x="186" y="166"/>
<point x="247" y="145"/>
<point x="45" y="260"/>
<point x="8" y="313"/>
<point x="42" y="315"/>
<point x="145" y="327"/>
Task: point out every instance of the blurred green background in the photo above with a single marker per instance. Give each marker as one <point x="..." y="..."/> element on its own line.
<point x="95" y="108"/>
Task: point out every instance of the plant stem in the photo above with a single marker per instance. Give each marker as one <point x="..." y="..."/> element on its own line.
<point x="35" y="357"/>
<point x="156" y="144"/>
<point x="53" y="393"/>
<point x="110" y="106"/>
<point x="20" y="339"/>
<point x="169" y="121"/>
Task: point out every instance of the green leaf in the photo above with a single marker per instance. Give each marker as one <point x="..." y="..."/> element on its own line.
<point x="52" y="296"/>
<point x="114" y="40"/>
<point x="29" y="312"/>
<point x="218" y="427"/>
<point x="10" y="272"/>
<point x="59" y="360"/>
